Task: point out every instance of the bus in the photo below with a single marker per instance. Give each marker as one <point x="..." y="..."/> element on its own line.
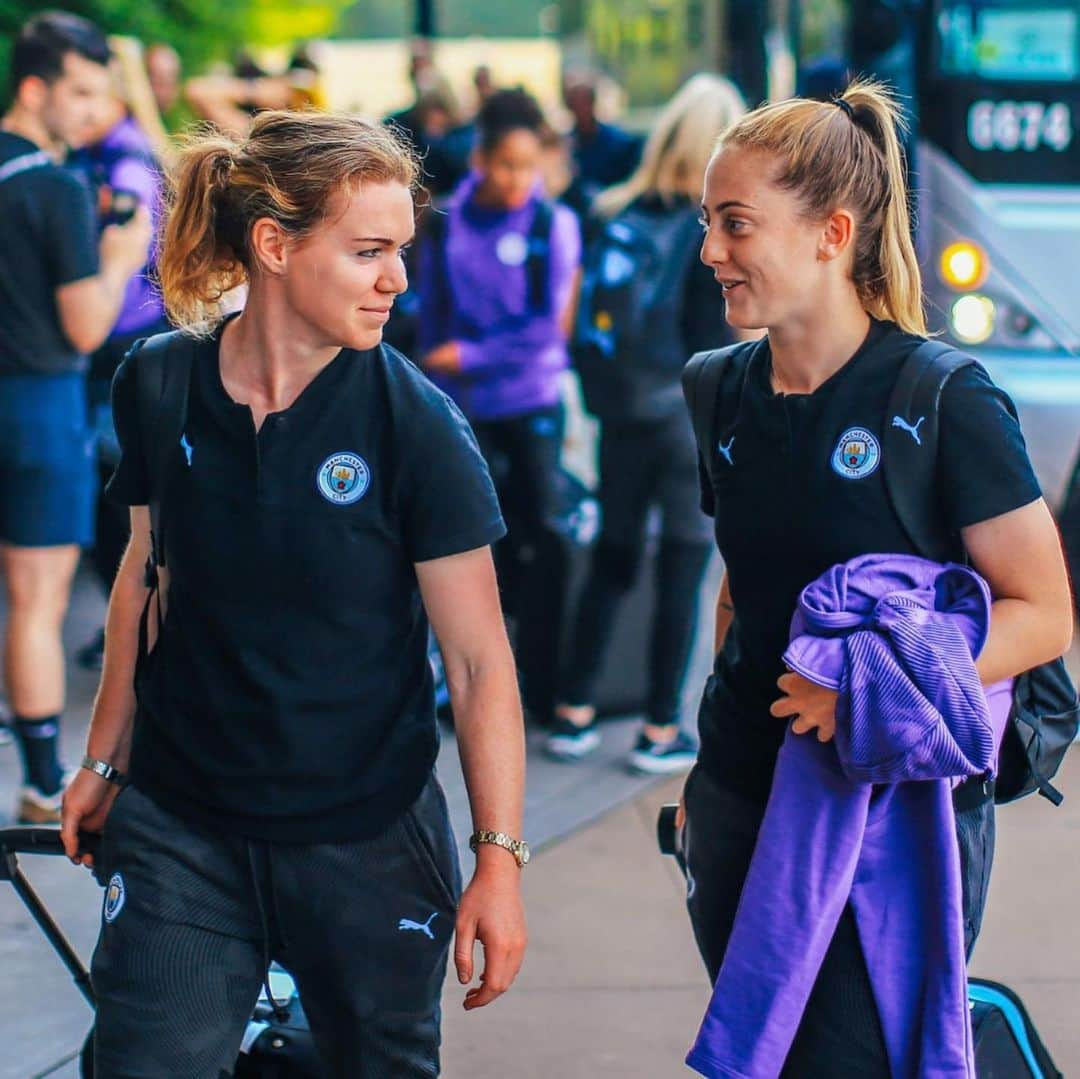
<point x="997" y="161"/>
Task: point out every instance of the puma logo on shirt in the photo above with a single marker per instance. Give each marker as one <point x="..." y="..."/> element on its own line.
<point x="407" y="925"/>
<point x="898" y="421"/>
<point x="725" y="451"/>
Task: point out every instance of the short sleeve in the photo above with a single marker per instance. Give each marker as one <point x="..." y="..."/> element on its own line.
<point x="70" y="242"/>
<point x="984" y="465"/>
<point x="448" y="502"/>
<point x="129" y="485"/>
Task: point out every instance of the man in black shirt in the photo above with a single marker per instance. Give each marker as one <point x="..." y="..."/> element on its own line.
<point x="60" y="292"/>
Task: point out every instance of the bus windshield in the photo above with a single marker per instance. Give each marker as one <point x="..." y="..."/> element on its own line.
<point x="1008" y="40"/>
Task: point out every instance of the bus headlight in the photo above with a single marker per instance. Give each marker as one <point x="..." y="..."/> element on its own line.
<point x="964" y="266"/>
<point x="971" y="318"/>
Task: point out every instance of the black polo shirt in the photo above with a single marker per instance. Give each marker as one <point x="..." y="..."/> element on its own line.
<point x="805" y="490"/>
<point x="50" y="239"/>
<point x="290" y="695"/>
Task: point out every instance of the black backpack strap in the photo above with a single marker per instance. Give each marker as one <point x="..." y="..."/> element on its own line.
<point x="163" y="378"/>
<point x="538" y="259"/>
<point x="910" y="448"/>
<point x="701" y="385"/>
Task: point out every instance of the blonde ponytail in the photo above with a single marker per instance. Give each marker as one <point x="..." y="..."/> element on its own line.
<point x="847" y="153"/>
<point x="892" y="279"/>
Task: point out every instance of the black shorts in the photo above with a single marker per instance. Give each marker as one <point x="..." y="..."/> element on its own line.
<point x="190" y="917"/>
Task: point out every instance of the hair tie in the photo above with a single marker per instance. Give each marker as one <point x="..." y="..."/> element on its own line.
<point x="223" y="168"/>
<point x="841" y="103"/>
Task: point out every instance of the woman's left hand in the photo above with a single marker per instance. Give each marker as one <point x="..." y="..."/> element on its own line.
<point x="444" y="359"/>
<point x="810" y="704"/>
<point x="491" y="911"/>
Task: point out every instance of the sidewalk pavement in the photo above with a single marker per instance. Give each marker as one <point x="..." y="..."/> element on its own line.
<point x="612" y="985"/>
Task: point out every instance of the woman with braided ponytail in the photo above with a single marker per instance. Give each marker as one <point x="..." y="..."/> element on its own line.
<point x="807" y="232"/>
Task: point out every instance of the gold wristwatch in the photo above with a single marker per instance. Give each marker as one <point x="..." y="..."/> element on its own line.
<point x="517" y="847"/>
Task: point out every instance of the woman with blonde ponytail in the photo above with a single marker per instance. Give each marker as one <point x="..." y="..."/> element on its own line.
<point x="649" y="220"/>
<point x="263" y="764"/>
<point x="808" y="234"/>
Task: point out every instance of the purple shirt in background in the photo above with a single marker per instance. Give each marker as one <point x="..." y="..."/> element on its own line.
<point x="867" y="819"/>
<point x="124" y="160"/>
<point x="476" y="293"/>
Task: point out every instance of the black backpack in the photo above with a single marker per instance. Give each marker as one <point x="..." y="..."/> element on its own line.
<point x="1045" y="710"/>
<point x="162" y="379"/>
<point x="627" y="343"/>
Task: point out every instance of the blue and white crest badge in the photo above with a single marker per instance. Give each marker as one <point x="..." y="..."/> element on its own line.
<point x="343" y="478"/>
<point x="114" y="897"/>
<point x="857" y="454"/>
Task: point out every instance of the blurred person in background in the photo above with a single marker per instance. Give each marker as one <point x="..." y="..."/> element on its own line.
<point x="561" y="181"/>
<point x="229" y="102"/>
<point x="647" y="454"/>
<point x="163" y="69"/>
<point x="603" y="153"/>
<point x="62" y="285"/>
<point x="483" y="83"/>
<point x="497" y="275"/>
<point x="123" y="167"/>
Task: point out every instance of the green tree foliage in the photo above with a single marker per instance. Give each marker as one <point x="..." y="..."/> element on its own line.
<point x="200" y="30"/>
<point x="454" y="18"/>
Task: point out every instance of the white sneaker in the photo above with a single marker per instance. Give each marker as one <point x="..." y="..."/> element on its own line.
<point x="33" y="807"/>
<point x="569" y="742"/>
<point x="663" y="758"/>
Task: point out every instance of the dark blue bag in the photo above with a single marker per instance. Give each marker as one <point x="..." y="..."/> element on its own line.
<point x="1007" y="1046"/>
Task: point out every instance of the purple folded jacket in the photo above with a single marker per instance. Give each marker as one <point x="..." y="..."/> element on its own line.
<point x="867" y="819"/>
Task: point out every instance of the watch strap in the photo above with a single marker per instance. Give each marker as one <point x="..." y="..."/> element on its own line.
<point x="516" y="847"/>
<point x="105" y="770"/>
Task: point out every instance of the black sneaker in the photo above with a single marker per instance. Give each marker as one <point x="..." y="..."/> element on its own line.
<point x="569" y="742"/>
<point x="663" y="758"/>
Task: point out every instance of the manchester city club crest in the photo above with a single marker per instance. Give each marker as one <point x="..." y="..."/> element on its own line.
<point x="343" y="478"/>
<point x="114" y="897"/>
<point x="857" y="454"/>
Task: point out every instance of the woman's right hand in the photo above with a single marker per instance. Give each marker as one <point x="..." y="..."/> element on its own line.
<point x="87" y="802"/>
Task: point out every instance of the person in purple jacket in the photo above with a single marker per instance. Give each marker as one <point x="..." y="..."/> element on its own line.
<point x="807" y="232"/>
<point x="495" y="299"/>
<point x="122" y="167"/>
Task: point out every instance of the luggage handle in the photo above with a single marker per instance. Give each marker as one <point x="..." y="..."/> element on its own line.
<point x="28" y="840"/>
<point x="18" y="840"/>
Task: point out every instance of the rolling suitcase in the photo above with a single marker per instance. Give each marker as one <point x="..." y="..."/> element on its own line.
<point x="276" y="1045"/>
